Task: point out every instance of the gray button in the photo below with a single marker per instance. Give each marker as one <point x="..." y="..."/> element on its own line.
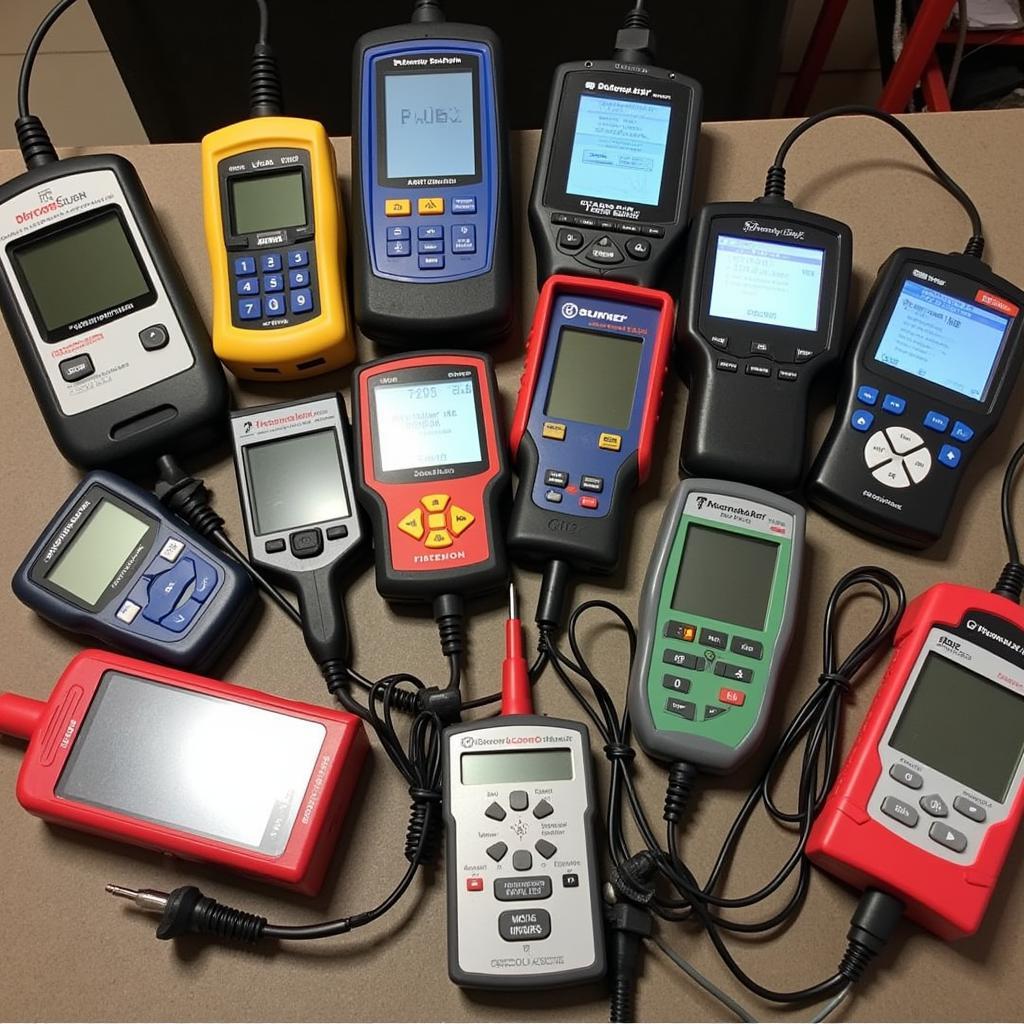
<point x="77" y="368"/>
<point x="543" y="809"/>
<point x="683" y="708"/>
<point x="519" y="799"/>
<point x="948" y="837"/>
<point x="154" y="337"/>
<point x="748" y="648"/>
<point x="274" y="546"/>
<point x="713" y="711"/>
<point x="497" y="851"/>
<point x="604" y="250"/>
<point x="681" y="660"/>
<point x="734" y="672"/>
<point x="545" y="849"/>
<point x="306" y="543"/>
<point x="676" y="683"/>
<point x="524" y="925"/>
<point x="509" y="890"/>
<point x="934" y="805"/>
<point x="969" y="809"/>
<point x="638" y="248"/>
<point x="899" y="811"/>
<point x="522" y="860"/>
<point x="553" y="496"/>
<point x="336" y="532"/>
<point x="495" y="812"/>
<point x="906" y="776"/>
<point x="713" y="638"/>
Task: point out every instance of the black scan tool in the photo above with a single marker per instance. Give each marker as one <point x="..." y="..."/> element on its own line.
<point x="930" y="370"/>
<point x="109" y="336"/>
<point x="614" y="175"/>
<point x="294" y="468"/>
<point x="430" y="186"/>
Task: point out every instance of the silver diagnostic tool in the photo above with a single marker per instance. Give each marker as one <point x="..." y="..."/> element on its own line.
<point x="523" y="901"/>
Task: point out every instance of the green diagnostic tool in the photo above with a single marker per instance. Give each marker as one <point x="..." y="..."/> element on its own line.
<point x="717" y="613"/>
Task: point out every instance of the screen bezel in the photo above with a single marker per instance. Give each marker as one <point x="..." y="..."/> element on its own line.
<point x="959" y="287"/>
<point x="95" y="495"/>
<point x="564" y="135"/>
<point x="272" y="172"/>
<point x="385" y="67"/>
<point x="65" y="331"/>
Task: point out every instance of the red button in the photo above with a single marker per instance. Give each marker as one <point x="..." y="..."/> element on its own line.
<point x="476" y="884"/>
<point x="588" y="501"/>
<point x="727" y="696"/>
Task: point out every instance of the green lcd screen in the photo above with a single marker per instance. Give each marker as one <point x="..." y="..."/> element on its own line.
<point x="725" y="576"/>
<point x="497" y="766"/>
<point x="97" y="552"/>
<point x="963" y="725"/>
<point x="267" y="202"/>
<point x="78" y="271"/>
<point x="594" y="378"/>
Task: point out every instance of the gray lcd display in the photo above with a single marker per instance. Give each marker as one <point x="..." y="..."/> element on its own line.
<point x="267" y="202"/>
<point x="296" y="481"/>
<point x="963" y="725"/>
<point x="81" y="270"/>
<point x="201" y="764"/>
<point x="594" y="378"/>
<point x="551" y="765"/>
<point x="97" y="552"/>
<point x="725" y="576"/>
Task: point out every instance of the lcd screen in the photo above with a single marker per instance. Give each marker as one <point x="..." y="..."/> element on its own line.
<point x="429" y="423"/>
<point x="944" y="340"/>
<point x="266" y="202"/>
<point x="594" y="378"/>
<point x="498" y="766"/>
<point x="96" y="553"/>
<point x="618" y="150"/>
<point x="81" y="270"/>
<point x="205" y="765"/>
<point x="429" y="129"/>
<point x="963" y="725"/>
<point x="767" y="283"/>
<point x="725" y="576"/>
<point x="296" y="481"/>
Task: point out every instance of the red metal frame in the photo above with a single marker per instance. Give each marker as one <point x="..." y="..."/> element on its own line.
<point x="947" y="898"/>
<point x="314" y="835"/>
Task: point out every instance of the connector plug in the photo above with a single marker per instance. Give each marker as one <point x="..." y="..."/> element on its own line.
<point x="186" y="910"/>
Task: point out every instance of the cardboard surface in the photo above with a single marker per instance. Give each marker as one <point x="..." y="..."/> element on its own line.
<point x="68" y="951"/>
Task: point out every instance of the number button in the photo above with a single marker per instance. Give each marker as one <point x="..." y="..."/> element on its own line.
<point x="249" y="309"/>
<point x="301" y="301"/>
<point x="300" y="257"/>
<point x="298" y="278"/>
<point x="247" y="286"/>
<point x="245" y="265"/>
<point x="274" y="305"/>
<point x="270" y="261"/>
<point x="273" y="283"/>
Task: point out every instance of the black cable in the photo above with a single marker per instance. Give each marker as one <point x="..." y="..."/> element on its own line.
<point x="634" y="42"/>
<point x="427" y="11"/>
<point x="1011" y="581"/>
<point x="265" y="93"/>
<point x="264" y="34"/>
<point x="32" y="50"/>
<point x="775" y="184"/>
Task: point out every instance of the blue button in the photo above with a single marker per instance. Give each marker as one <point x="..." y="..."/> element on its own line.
<point x="464" y="204"/>
<point x="249" y="309"/>
<point x="936" y="421"/>
<point x="274" y="305"/>
<point x="950" y="456"/>
<point x="166" y="589"/>
<point x="298" y="258"/>
<point x="431" y="245"/>
<point x="862" y="419"/>
<point x="247" y="285"/>
<point x="206" y="579"/>
<point x="401" y="247"/>
<point x="180" y="619"/>
<point x="464" y="238"/>
<point x="397" y="233"/>
<point x="430" y="231"/>
<point x="245" y="265"/>
<point x="961" y="432"/>
<point x="301" y="300"/>
<point x="867" y="395"/>
<point x="270" y="261"/>
<point x="298" y="278"/>
<point x="431" y="263"/>
<point x="894" y="404"/>
<point x="273" y="283"/>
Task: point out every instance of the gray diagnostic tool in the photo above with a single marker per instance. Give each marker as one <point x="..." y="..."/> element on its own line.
<point x="717" y="613"/>
<point x="523" y="888"/>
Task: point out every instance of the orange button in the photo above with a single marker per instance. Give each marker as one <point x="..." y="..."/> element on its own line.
<point x="412" y="524"/>
<point x="436" y="521"/>
<point x="727" y="696"/>
<point x="461" y="519"/>
<point x="433" y="205"/>
<point x="397" y="207"/>
<point x="439" y="539"/>
<point x="689" y="633"/>
<point x="435" y="502"/>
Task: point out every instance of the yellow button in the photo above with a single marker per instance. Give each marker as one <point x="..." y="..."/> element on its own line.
<point x="609" y="442"/>
<point x="398" y="207"/>
<point x="461" y="519"/>
<point x="429" y="206"/>
<point x="436" y="521"/>
<point x="555" y="431"/>
<point x="435" y="502"/>
<point x="438" y="539"/>
<point x="412" y="524"/>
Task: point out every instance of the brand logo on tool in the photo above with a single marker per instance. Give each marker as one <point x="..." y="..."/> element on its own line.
<point x="562" y="526"/>
<point x="949" y="643"/>
<point x="772" y="229"/>
<point x="736" y="510"/>
<point x="443" y="556"/>
<point x="923" y="275"/>
<point x="570" y="310"/>
<point x="67" y="528"/>
<point x="48" y="203"/>
<point x="976" y="627"/>
<point x="504" y="741"/>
